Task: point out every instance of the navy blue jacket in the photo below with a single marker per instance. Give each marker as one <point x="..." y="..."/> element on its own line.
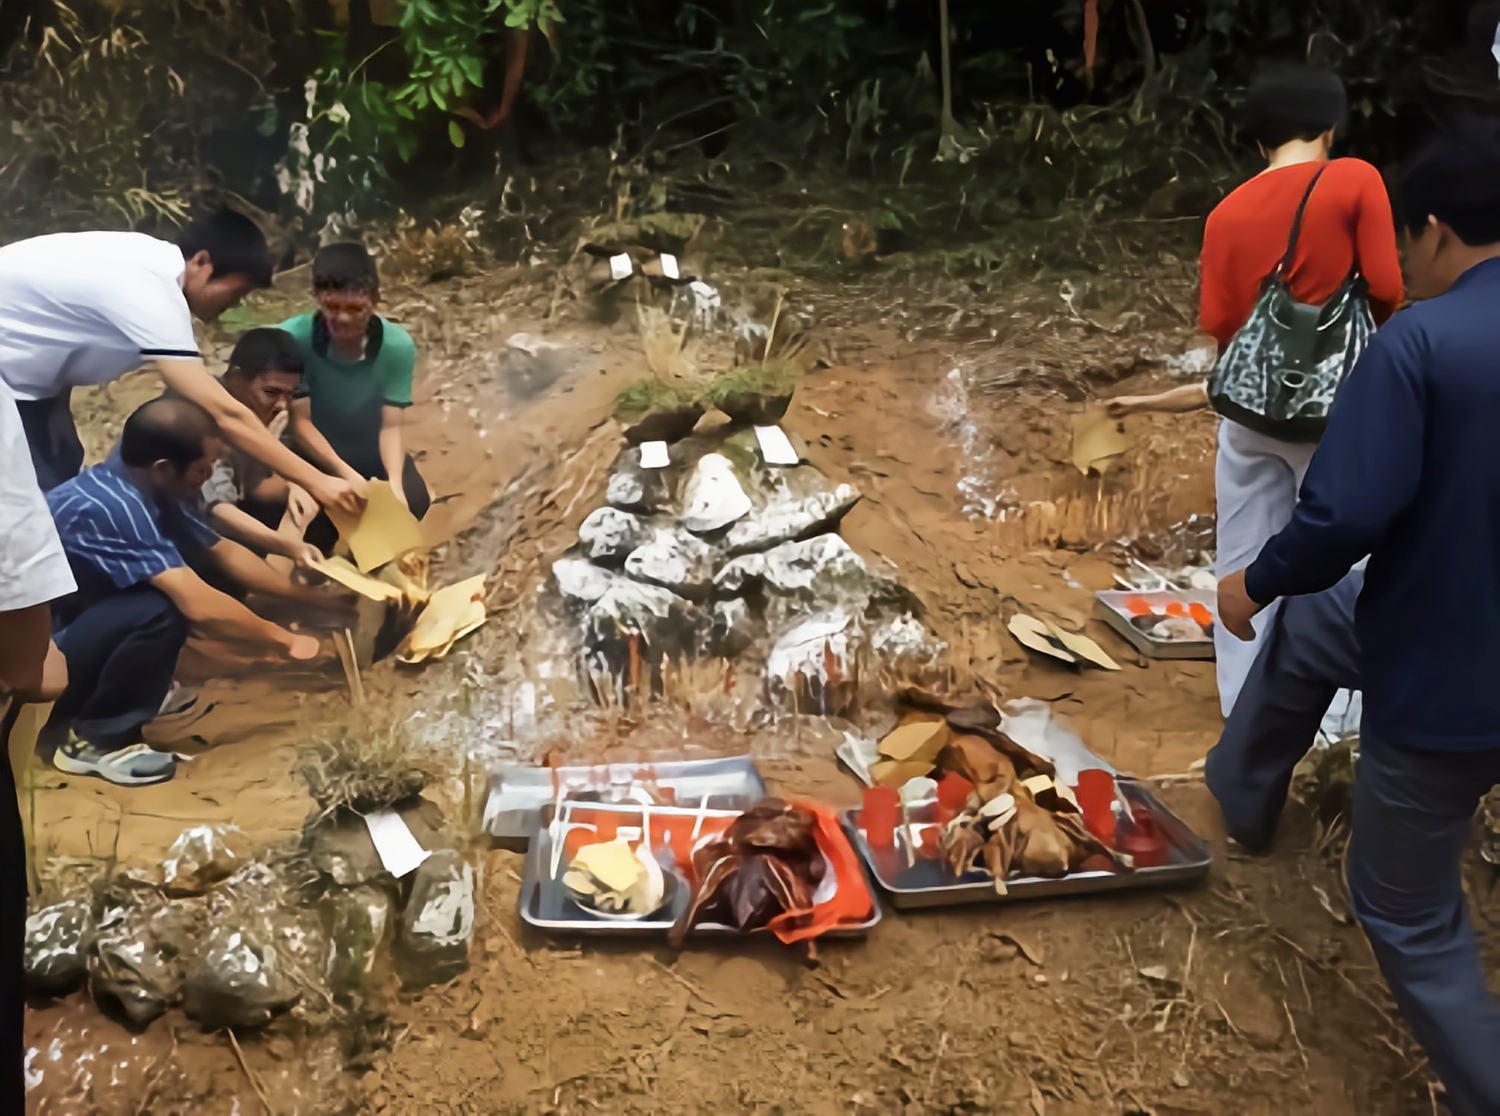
<point x="1408" y="472"/>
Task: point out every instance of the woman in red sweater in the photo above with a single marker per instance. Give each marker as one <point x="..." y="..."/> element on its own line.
<point x="1293" y="114"/>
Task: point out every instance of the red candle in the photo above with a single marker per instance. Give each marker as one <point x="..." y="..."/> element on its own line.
<point x="1096" y="798"/>
<point x="881" y="811"/>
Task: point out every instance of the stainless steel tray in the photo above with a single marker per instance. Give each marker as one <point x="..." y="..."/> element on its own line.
<point x="546" y="905"/>
<point x="929" y="884"/>
<point x="1110" y="604"/>
<point x="518" y="794"/>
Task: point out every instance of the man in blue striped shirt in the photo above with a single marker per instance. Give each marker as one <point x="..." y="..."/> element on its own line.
<point x="132" y="541"/>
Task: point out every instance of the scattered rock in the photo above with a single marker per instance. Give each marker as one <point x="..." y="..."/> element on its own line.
<point x="433" y="943"/>
<point x="356" y="922"/>
<point x="713" y="497"/>
<point x="732" y="629"/>
<point x="811" y="664"/>
<point x="634" y="489"/>
<point x="676" y="560"/>
<point x="821" y="568"/>
<point x="626" y="491"/>
<point x="57" y="940"/>
<point x="789" y="502"/>
<point x="135" y="962"/>
<point x="529" y="365"/>
<point x="202" y="856"/>
<point x="581" y="580"/>
<point x="341" y="848"/>
<point x="236" y="979"/>
<point x="609" y="534"/>
<point x="630" y="608"/>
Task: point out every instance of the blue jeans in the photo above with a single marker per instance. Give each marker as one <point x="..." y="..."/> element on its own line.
<point x="1309" y="654"/>
<point x="1413" y="815"/>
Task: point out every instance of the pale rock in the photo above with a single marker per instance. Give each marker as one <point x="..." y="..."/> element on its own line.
<point x="814" y="568"/>
<point x="713" y="497"/>
<point x="432" y="943"/>
<point x="674" y="559"/>
<point x="609" y="534"/>
<point x="581" y="580"/>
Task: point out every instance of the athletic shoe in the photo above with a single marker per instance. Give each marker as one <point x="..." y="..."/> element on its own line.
<point x="179" y="699"/>
<point x="139" y="765"/>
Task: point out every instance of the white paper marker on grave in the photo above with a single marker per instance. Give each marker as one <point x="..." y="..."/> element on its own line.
<point x="398" y="847"/>
<point x="669" y="266"/>
<point x="621" y="267"/>
<point x="654" y="455"/>
<point x="775" y="446"/>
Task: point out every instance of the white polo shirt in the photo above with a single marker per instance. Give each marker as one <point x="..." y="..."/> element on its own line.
<point x="85" y="308"/>
<point x="33" y="568"/>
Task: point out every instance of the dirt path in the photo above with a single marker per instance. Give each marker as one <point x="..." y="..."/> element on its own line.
<point x="1254" y="987"/>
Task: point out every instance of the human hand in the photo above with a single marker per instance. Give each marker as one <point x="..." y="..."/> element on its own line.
<point x="1236" y="608"/>
<point x="300" y="505"/>
<point x="278" y="424"/>
<point x="303" y="647"/>
<point x="1122" y="405"/>
<point x="344" y="495"/>
<point x="305" y="555"/>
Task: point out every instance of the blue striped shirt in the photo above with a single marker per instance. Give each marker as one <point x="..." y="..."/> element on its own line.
<point x="116" y="537"/>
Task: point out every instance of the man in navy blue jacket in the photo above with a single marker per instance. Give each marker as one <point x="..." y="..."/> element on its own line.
<point x="1409" y="474"/>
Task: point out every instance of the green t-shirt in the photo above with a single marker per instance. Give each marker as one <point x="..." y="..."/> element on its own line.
<point x="347" y="396"/>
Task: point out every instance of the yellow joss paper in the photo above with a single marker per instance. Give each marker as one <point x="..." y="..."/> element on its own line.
<point x="386" y="531"/>
<point x="342" y="571"/>
<point x="452" y="613"/>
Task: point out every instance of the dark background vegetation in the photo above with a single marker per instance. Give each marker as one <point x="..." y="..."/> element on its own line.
<point x="132" y="113"/>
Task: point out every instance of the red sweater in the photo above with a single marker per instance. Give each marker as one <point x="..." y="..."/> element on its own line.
<point x="1348" y="222"/>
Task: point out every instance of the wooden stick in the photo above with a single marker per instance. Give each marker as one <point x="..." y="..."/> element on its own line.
<point x="343" y="643"/>
<point x="249" y="1073"/>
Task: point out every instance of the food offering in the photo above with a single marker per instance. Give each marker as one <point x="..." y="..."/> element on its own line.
<point x="987" y="817"/>
<point x="782" y="867"/>
<point x="1162" y="624"/>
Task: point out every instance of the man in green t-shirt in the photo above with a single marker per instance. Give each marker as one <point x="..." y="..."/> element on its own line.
<point x="356" y="380"/>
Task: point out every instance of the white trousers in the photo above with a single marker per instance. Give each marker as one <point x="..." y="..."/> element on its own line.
<point x="33" y="569"/>
<point x="1255" y="485"/>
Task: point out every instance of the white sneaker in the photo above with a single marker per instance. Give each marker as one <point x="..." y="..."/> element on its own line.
<point x="139" y="765"/>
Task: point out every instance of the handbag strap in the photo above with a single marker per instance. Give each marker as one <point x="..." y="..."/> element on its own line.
<point x="1291" y="245"/>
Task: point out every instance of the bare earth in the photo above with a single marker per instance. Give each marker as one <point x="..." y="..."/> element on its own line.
<point x="1253" y="994"/>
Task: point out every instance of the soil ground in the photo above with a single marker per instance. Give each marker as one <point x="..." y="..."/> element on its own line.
<point x="947" y="402"/>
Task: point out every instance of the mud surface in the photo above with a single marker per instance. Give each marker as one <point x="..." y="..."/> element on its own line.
<point x="948" y="403"/>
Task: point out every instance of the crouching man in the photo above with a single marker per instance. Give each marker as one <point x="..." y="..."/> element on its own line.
<point x="131" y="537"/>
<point x="245" y="500"/>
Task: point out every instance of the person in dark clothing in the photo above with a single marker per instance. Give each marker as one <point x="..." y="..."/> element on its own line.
<point x="132" y="540"/>
<point x="1407" y="473"/>
<point x="1309" y="654"/>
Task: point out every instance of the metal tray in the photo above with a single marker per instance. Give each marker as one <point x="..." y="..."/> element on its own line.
<point x="928" y="883"/>
<point x="546" y="905"/>
<point x="1110" y="604"/>
<point x="518" y="794"/>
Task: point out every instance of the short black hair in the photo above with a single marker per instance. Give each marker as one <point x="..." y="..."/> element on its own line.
<point x="167" y="428"/>
<point x="265" y="349"/>
<point x="1455" y="177"/>
<point x="1289" y="102"/>
<point x="233" y="242"/>
<point x="345" y="267"/>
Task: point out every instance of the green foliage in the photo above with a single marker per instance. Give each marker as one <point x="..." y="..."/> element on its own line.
<point x="645" y="397"/>
<point x="110" y="114"/>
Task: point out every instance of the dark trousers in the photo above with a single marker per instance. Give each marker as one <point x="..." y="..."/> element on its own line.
<point x="13" y="901"/>
<point x="1413" y="815"/>
<point x="321" y="532"/>
<point x="1309" y="655"/>
<point x="53" y="438"/>
<point x="121" y="653"/>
